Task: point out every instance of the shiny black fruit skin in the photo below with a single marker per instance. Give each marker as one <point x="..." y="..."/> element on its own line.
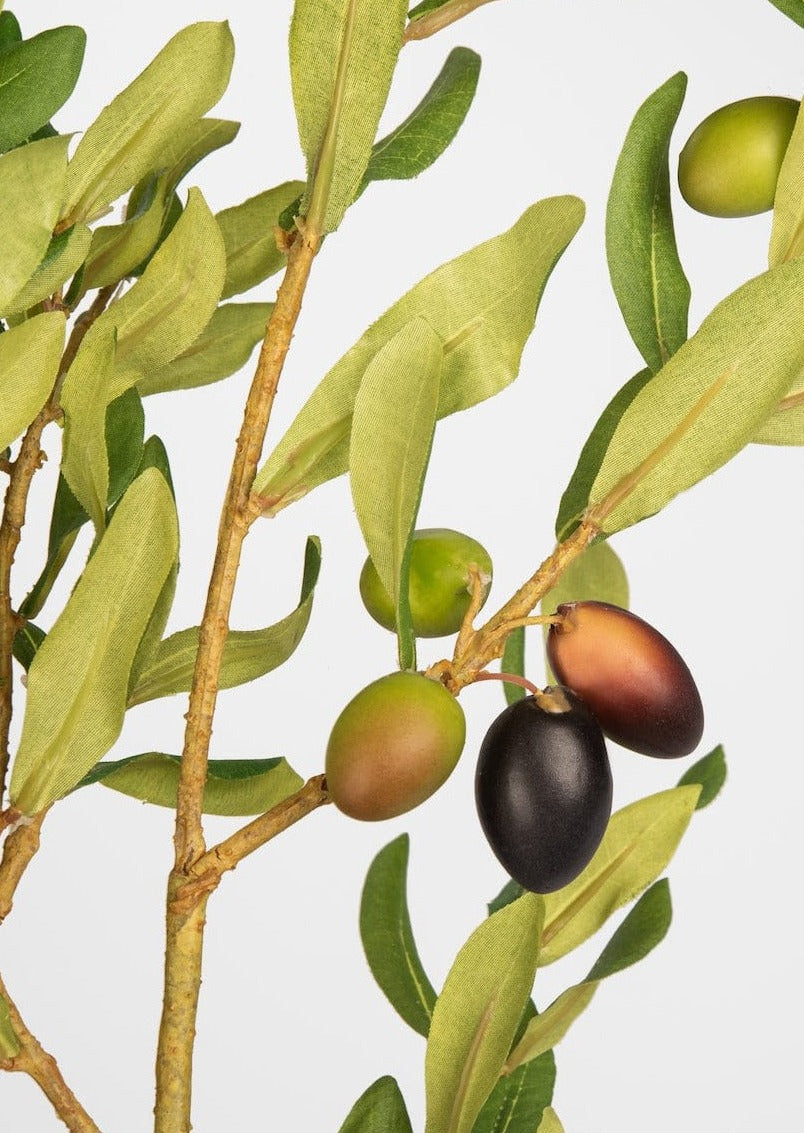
<point x="543" y="789"/>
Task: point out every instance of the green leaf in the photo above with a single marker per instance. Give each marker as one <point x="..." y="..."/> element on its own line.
<point x="576" y="495"/>
<point x="427" y="131"/>
<point x="182" y="152"/>
<point x="792" y="8"/>
<point x="27" y="640"/>
<point x="786" y="425"/>
<point x="252" y="254"/>
<point x="29" y="361"/>
<point x="550" y="1122"/>
<point x="710" y="773"/>
<point x="233" y="787"/>
<point x="247" y="655"/>
<point x="482" y="306"/>
<point x="10" y="33"/>
<point x="37" y="76"/>
<point x="85" y="395"/>
<point x="513" y="661"/>
<point x="381" y="1109"/>
<point x="787" y="231"/>
<point x="223" y="347"/>
<point x="342" y="57"/>
<point x="31" y="187"/>
<point x="707" y="402"/>
<point x="78" y="680"/>
<point x="9" y="1043"/>
<point x="596" y="575"/>
<point x="646" y="273"/>
<point x="129" y="137"/>
<point x="117" y="249"/>
<point x="517" y="1102"/>
<point x="477" y="1013"/>
<point x="645" y="926"/>
<point x="387" y="937"/>
<point x="426" y="6"/>
<point x="125" y="430"/>
<point x="509" y="892"/>
<point x="64" y="256"/>
<point x="639" y="842"/>
<point x="392" y="435"/>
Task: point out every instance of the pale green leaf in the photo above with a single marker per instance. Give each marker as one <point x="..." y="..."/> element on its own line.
<point x="482" y="306"/>
<point x="117" y="249"/>
<point x="381" y="1109"/>
<point x="247" y="655"/>
<point x="646" y="273"/>
<point x="31" y="189"/>
<point x="252" y="254"/>
<point x="223" y="347"/>
<point x="29" y="361"/>
<point x="710" y="773"/>
<point x="787" y="231"/>
<point x="64" y="256"/>
<point x="78" y="681"/>
<point x="392" y="434"/>
<point x="342" y="57"/>
<point x="129" y="137"/>
<point x="427" y="131"/>
<point x="548" y="1029"/>
<point x="233" y="786"/>
<point x="9" y="1043"/>
<point x="184" y="149"/>
<point x="792" y="8"/>
<point x="639" y="842"/>
<point x="550" y="1122"/>
<point x="477" y="1013"/>
<point x="708" y="401"/>
<point x="786" y="425"/>
<point x="37" y="76"/>
<point x="85" y="395"/>
<point x="517" y="1102"/>
<point x="387" y="937"/>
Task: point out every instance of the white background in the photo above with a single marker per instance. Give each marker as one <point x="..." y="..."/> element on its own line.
<point x="700" y="1036"/>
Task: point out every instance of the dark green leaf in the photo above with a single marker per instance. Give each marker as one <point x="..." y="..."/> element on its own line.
<point x="154" y="455"/>
<point x="517" y="1102"/>
<point x="387" y="937"/>
<point x="37" y="76"/>
<point x="645" y="270"/>
<point x="513" y="661"/>
<point x="381" y="1109"/>
<point x="426" y="6"/>
<point x="427" y="131"/>
<point x="710" y="772"/>
<point x="509" y="892"/>
<point x="125" y="429"/>
<point x="792" y="8"/>
<point x="252" y="254"/>
<point x="10" y="33"/>
<point x="27" y="640"/>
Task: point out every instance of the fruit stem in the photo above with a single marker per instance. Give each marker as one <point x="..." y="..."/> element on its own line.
<point x="509" y="678"/>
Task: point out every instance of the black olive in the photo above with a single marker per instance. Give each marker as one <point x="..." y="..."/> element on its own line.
<point x="543" y="788"/>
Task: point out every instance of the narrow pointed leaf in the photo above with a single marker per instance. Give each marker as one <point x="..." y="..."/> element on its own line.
<point x="64" y="256"/>
<point x="646" y="273"/>
<point x="86" y="392"/>
<point x="792" y="8"/>
<point x="482" y="306"/>
<point x="392" y="435"/>
<point x="477" y="1013"/>
<point x="710" y="773"/>
<point x="27" y="640"/>
<point x="639" y="842"/>
<point x="9" y="1043"/>
<point x="517" y="1102"/>
<point x="381" y="1109"/>
<point x="78" y="680"/>
<point x="513" y="661"/>
<point x="550" y="1122"/>
<point x="233" y="786"/>
<point x="787" y="231"/>
<point x="29" y="361"/>
<point x="342" y="57"/>
<point x="427" y="131"/>
<point x="31" y="187"/>
<point x="128" y="139"/>
<point x="387" y="937"/>
<point x="247" y="655"/>
<point x="548" y="1029"/>
<point x="248" y="232"/>
<point x="223" y="347"/>
<point x="509" y="892"/>
<point x="37" y="76"/>
<point x="707" y="402"/>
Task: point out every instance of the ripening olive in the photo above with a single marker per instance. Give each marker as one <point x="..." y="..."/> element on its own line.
<point x="543" y="788"/>
<point x="439" y="587"/>
<point x="393" y="745"/>
<point x="634" y="681"/>
<point x="731" y="162"/>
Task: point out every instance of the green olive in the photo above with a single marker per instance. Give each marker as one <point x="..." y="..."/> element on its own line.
<point x="439" y="588"/>
<point x="393" y="746"/>
<point x="731" y="162"/>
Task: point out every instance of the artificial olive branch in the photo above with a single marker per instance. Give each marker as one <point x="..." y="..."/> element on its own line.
<point x="18" y="850"/>
<point x="440" y="18"/>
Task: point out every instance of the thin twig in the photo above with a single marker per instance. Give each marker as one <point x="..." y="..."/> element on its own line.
<point x="18" y="850"/>
<point x="440" y="18"/>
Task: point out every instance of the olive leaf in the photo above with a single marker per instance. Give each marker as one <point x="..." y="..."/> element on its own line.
<point x="787" y="230"/>
<point x="785" y="426"/>
<point x="707" y="402"/>
<point x="117" y="249"/>
<point x="10" y="33"/>
<point x="710" y="773"/>
<point x="26" y="643"/>
<point x="645" y="926"/>
<point x="792" y="8"/>
<point x="78" y="680"/>
<point x="519" y="1099"/>
<point x="9" y="1043"/>
<point x="234" y="787"/>
<point x="550" y="1122"/>
<point x="29" y="361"/>
<point x="381" y="1109"/>
<point x="640" y="840"/>
<point x="37" y="76"/>
<point x="252" y="254"/>
<point x="646" y="273"/>
<point x="513" y="661"/>
<point x="482" y="305"/>
<point x="387" y="937"/>
<point x="476" y="1014"/>
<point x="247" y="654"/>
<point x="392" y="434"/>
<point x="64" y="256"/>
<point x="342" y="56"/>
<point x="128" y="138"/>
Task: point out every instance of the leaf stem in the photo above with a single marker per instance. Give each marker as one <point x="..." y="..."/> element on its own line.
<point x="440" y="18"/>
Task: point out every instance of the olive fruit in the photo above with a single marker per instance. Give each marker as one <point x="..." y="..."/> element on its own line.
<point x="543" y="788"/>
<point x="439" y="590"/>
<point x="631" y="677"/>
<point x="731" y="162"/>
<point x="393" y="745"/>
